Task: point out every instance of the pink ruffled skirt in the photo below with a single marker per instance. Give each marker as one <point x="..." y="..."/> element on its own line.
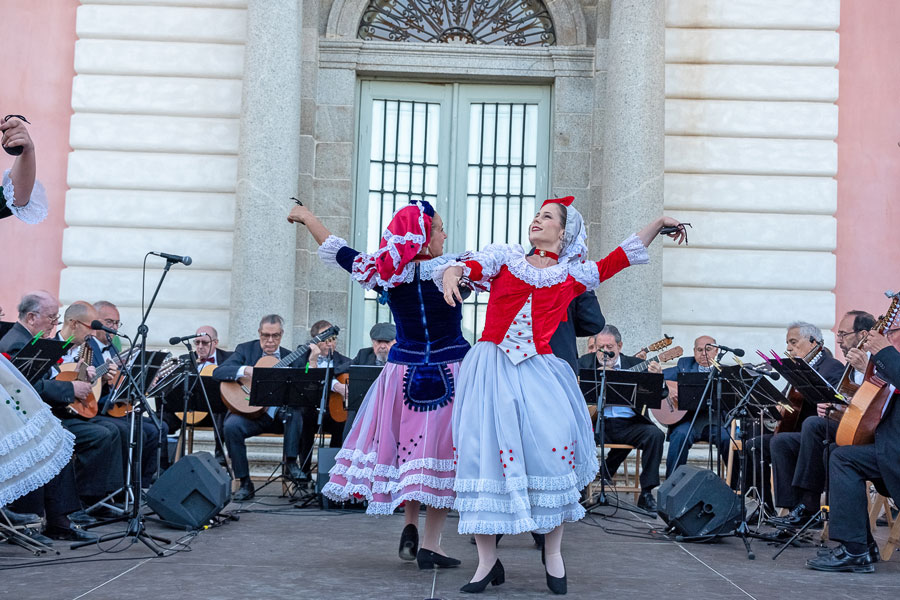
<point x="393" y="453"/>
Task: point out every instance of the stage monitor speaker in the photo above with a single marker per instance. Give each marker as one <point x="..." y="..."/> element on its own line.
<point x="696" y="502"/>
<point x="191" y="492"/>
<point x="327" y="458"/>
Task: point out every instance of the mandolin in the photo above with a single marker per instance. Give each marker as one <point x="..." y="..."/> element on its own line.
<point x="236" y="394"/>
<point x="79" y="372"/>
<point x="657" y="346"/>
<point x="662" y="357"/>
<point x="858" y="423"/>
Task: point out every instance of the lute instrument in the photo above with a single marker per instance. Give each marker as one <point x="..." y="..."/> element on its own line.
<point x="858" y="423"/>
<point x="87" y="408"/>
<point x="236" y="394"/>
<point x="665" y="342"/>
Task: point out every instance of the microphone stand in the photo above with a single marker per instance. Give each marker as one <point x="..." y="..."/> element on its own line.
<point x="187" y="391"/>
<point x="320" y="431"/>
<point x="600" y="429"/>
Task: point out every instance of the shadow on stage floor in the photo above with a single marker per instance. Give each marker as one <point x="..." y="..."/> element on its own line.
<point x="277" y="551"/>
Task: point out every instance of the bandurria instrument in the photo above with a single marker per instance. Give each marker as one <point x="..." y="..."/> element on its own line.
<point x="78" y="371"/>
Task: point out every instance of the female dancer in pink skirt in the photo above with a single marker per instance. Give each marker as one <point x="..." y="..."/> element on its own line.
<point x="400" y="447"/>
<point x="525" y="447"/>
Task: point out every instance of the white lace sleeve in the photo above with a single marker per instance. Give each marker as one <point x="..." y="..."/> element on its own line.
<point x="35" y="210"/>
<point x="329" y="249"/>
<point x="490" y="260"/>
<point x="635" y="250"/>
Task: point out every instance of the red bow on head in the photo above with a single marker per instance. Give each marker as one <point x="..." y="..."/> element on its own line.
<point x="567" y="201"/>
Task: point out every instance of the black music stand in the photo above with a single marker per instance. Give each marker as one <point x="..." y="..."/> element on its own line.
<point x="283" y="388"/>
<point x="361" y="379"/>
<point x="37" y="357"/>
<point x="638" y="391"/>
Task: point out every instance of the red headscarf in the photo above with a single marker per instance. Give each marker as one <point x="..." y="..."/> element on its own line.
<point x="408" y="232"/>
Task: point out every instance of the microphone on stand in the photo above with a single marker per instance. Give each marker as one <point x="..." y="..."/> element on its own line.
<point x="174" y="258"/>
<point x="735" y="351"/>
<point x="178" y="340"/>
<point x="97" y="325"/>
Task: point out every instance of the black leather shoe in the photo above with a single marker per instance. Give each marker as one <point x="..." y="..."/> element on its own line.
<point x="797" y="517"/>
<point x="409" y="542"/>
<point x="496" y="576"/>
<point x="244" y="493"/>
<point x="35" y="535"/>
<point x="557" y="585"/>
<point x="427" y="559"/>
<point x="874" y="553"/>
<point x="647" y="502"/>
<point x="72" y="533"/>
<point x="839" y="560"/>
<point x="20" y="518"/>
<point x="296" y="473"/>
<point x="79" y="517"/>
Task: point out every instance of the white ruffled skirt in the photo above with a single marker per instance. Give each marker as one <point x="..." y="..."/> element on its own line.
<point x="34" y="447"/>
<point x="523" y="441"/>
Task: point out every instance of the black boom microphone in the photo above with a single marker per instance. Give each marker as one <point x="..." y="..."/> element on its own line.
<point x="185" y="260"/>
<point x="178" y="340"/>
<point x="735" y="351"/>
<point x="99" y="326"/>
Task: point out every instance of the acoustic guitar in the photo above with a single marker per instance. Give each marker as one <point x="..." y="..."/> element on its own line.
<point x="857" y="426"/>
<point x="337" y="406"/>
<point x="195" y="416"/>
<point x="79" y="372"/>
<point x="236" y="394"/>
<point x="657" y="346"/>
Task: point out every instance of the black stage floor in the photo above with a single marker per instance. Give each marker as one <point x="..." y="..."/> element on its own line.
<point x="277" y="551"/>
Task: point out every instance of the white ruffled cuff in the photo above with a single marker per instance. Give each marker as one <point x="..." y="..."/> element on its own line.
<point x="635" y="250"/>
<point x="35" y="210"/>
<point x="437" y="275"/>
<point x="329" y="249"/>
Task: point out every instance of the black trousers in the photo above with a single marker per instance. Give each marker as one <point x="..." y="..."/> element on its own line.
<point x="636" y="432"/>
<point x="798" y="462"/>
<point x="56" y="499"/>
<point x="850" y="468"/>
<point x="237" y="429"/>
<point x="149" y="440"/>
<point x="98" y="456"/>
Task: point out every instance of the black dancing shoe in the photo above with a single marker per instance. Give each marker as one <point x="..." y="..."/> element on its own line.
<point x="426" y="559"/>
<point x="538" y="541"/>
<point x="557" y="585"/>
<point x="496" y="576"/>
<point x="646" y="502"/>
<point x="409" y="542"/>
<point x="839" y="560"/>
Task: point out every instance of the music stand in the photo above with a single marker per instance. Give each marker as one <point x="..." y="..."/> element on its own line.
<point x="285" y="387"/>
<point x="806" y="380"/>
<point x="361" y="379"/>
<point x="638" y="391"/>
<point x="37" y="357"/>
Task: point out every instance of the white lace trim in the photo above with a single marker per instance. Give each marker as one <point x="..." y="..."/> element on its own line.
<point x="29" y="430"/>
<point x="43" y="448"/>
<point x="583" y="474"/>
<point x="354" y="473"/>
<point x="517" y="502"/>
<point x="539" y="523"/>
<point x="340" y="493"/>
<point x="635" y="250"/>
<point x="328" y="250"/>
<point x="11" y="489"/>
<point x="35" y="210"/>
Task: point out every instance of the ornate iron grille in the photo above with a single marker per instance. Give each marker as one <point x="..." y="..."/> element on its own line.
<point x="507" y="22"/>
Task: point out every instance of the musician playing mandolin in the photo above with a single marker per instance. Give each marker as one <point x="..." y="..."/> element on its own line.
<point x="624" y="426"/>
<point x="852" y="466"/>
<point x="287" y="419"/>
<point x="798" y="457"/>
<point x="704" y="355"/>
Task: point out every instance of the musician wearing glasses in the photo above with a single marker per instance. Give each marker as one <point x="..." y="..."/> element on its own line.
<point x="853" y="465"/>
<point x="238" y="428"/>
<point x="207" y="354"/>
<point x="624" y="426"/>
<point x="94" y="443"/>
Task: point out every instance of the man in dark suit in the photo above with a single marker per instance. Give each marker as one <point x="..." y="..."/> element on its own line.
<point x="583" y="318"/>
<point x="320" y="356"/>
<point x="383" y="336"/>
<point x="800" y="339"/>
<point x="623" y="426"/>
<point x="681" y="434"/>
<point x="852" y="466"/>
<point x="273" y="420"/>
<point x="39" y="315"/>
<point x="207" y="354"/>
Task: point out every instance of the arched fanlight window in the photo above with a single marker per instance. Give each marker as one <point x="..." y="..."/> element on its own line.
<point x="497" y="22"/>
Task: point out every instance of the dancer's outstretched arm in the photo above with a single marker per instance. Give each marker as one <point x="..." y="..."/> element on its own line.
<point x="304" y="216"/>
<point x="649" y="233"/>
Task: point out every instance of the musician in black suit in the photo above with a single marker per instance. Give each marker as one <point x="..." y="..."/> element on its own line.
<point x="320" y="356"/>
<point x="851" y="466"/>
<point x="800" y="339"/>
<point x="798" y="457"/>
<point x="700" y="362"/>
<point x="273" y="420"/>
<point x="94" y="443"/>
<point x="207" y="353"/>
<point x="623" y="426"/>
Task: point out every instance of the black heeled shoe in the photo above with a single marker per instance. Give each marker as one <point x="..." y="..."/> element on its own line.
<point x="557" y="585"/>
<point x="495" y="577"/>
<point x="426" y="559"/>
<point x="409" y="542"/>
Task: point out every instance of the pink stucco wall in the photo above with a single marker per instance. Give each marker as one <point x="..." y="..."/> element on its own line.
<point x="868" y="242"/>
<point x="38" y="52"/>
